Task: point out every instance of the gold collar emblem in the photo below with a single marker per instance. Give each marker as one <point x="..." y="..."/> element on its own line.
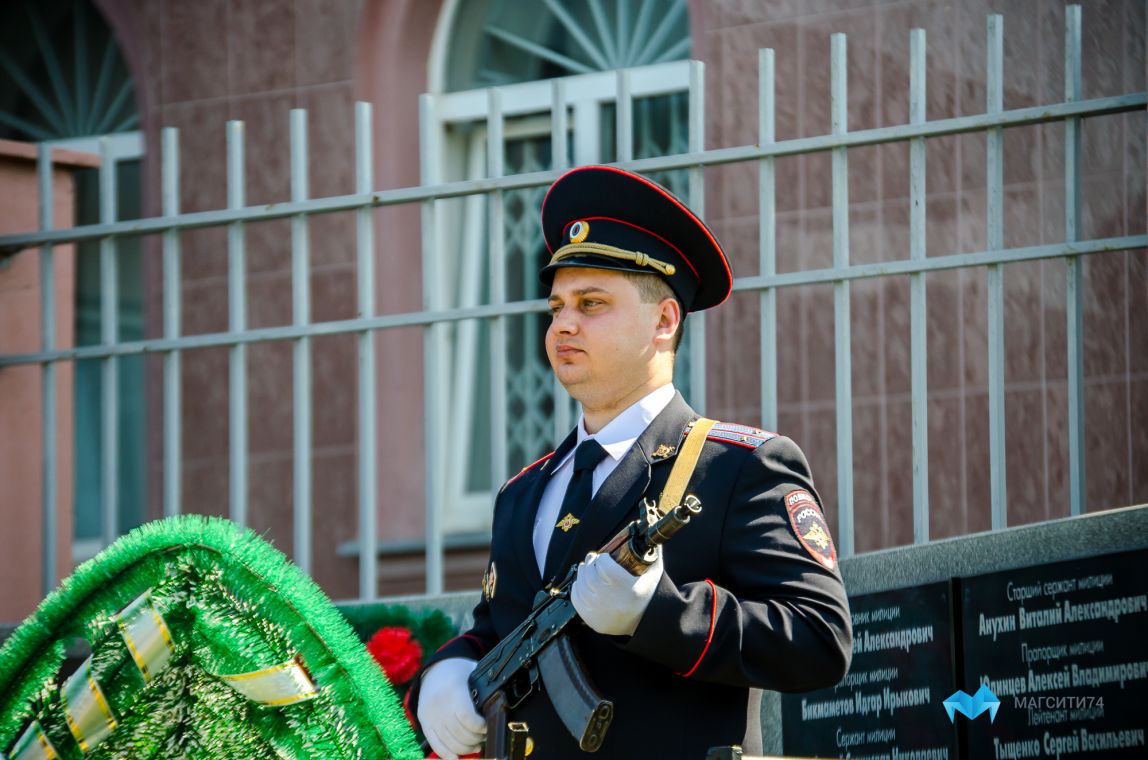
<point x="567" y="522"/>
<point x="663" y="451"/>
<point x="489" y="579"/>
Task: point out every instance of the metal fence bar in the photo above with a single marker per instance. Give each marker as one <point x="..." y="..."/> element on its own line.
<point x="301" y="349"/>
<point x="109" y="335"/>
<point x="714" y="157"/>
<point x="624" y="125"/>
<point x="697" y="141"/>
<point x="559" y="148"/>
<point x="237" y="322"/>
<point x="49" y="493"/>
<point x="365" y="270"/>
<point x="918" y="314"/>
<point x="842" y="350"/>
<point x="425" y="318"/>
<point x="1074" y="275"/>
<point x="767" y="238"/>
<point x="436" y="317"/>
<point x="435" y="351"/>
<point x="994" y="216"/>
<point x="497" y="235"/>
<point x="172" y="360"/>
<point x="941" y="263"/>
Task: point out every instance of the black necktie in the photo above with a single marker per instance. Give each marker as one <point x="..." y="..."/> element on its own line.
<point x="578" y="494"/>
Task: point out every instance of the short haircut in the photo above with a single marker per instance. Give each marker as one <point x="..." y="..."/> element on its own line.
<point x="653" y="289"/>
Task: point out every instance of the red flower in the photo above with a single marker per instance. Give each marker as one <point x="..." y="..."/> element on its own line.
<point x="397" y="653"/>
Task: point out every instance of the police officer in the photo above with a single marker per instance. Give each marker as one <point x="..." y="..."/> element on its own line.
<point x="747" y="597"/>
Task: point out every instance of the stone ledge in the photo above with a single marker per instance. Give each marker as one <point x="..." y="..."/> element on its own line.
<point x="16" y="149"/>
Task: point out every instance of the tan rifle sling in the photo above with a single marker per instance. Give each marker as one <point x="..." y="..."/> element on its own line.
<point x="684" y="465"/>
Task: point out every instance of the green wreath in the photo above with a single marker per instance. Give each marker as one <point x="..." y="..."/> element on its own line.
<point x="206" y="642"/>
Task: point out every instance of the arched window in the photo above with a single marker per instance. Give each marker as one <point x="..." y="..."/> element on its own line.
<point x="64" y="72"/>
<point x="514" y="46"/>
<point x="64" y="81"/>
<point x="499" y="42"/>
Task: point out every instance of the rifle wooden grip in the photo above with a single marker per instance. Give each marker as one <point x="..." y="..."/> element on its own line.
<point x="496" y="711"/>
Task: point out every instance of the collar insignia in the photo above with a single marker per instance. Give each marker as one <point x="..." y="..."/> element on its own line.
<point x="489" y="579"/>
<point x="567" y="522"/>
<point x="662" y="451"/>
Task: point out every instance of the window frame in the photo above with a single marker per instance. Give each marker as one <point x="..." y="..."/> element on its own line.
<point x="527" y="112"/>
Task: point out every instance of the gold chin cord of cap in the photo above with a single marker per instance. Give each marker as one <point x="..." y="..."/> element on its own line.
<point x="599" y="249"/>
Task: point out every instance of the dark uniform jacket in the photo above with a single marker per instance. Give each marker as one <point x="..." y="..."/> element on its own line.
<point x="745" y="603"/>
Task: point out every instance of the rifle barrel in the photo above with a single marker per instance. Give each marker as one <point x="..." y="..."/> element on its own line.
<point x="673" y="521"/>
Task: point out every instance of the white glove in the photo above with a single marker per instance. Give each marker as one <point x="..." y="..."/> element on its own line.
<point x="449" y="720"/>
<point x="608" y="598"/>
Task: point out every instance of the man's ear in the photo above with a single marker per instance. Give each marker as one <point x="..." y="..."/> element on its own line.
<point x="669" y="318"/>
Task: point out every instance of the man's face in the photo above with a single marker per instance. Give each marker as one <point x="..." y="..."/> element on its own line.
<point x="601" y="336"/>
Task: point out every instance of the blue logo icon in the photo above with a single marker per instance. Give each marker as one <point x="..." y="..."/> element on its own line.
<point x="973" y="706"/>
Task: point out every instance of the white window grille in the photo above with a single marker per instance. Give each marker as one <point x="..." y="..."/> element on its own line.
<point x="493" y="44"/>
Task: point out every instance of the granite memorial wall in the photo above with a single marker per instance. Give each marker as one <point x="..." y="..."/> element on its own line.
<point x="1047" y="661"/>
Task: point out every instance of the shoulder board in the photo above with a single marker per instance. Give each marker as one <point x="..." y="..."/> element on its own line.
<point x="741" y="435"/>
<point x="524" y="470"/>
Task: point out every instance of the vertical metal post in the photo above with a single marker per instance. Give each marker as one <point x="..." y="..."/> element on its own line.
<point x="497" y="235"/>
<point x="625" y="122"/>
<point x="559" y="149"/>
<point x="301" y="366"/>
<point x="237" y="322"/>
<point x="109" y="336"/>
<point x="697" y="143"/>
<point x="49" y="492"/>
<point x="435" y="340"/>
<point x="1074" y="308"/>
<point x="365" y="252"/>
<point x="838" y="75"/>
<point x="559" y="126"/>
<point x="994" y="213"/>
<point x="767" y="238"/>
<point x="587" y="141"/>
<point x="918" y="314"/>
<point x="172" y="424"/>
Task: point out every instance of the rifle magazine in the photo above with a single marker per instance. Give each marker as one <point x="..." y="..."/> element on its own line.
<point x="582" y="709"/>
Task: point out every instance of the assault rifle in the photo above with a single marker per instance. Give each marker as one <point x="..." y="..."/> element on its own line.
<point x="538" y="648"/>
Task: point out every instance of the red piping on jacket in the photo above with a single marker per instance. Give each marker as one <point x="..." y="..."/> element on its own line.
<point x="743" y="444"/>
<point x="529" y="466"/>
<point x="476" y="640"/>
<point x="713" y="621"/>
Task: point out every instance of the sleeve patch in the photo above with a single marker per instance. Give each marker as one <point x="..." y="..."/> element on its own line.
<point x="809" y="525"/>
<point x="799" y="496"/>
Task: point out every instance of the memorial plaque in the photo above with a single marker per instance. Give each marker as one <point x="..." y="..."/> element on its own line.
<point x="1064" y="648"/>
<point x="889" y="704"/>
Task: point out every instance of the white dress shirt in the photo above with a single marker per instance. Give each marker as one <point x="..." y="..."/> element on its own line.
<point x="616" y="438"/>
